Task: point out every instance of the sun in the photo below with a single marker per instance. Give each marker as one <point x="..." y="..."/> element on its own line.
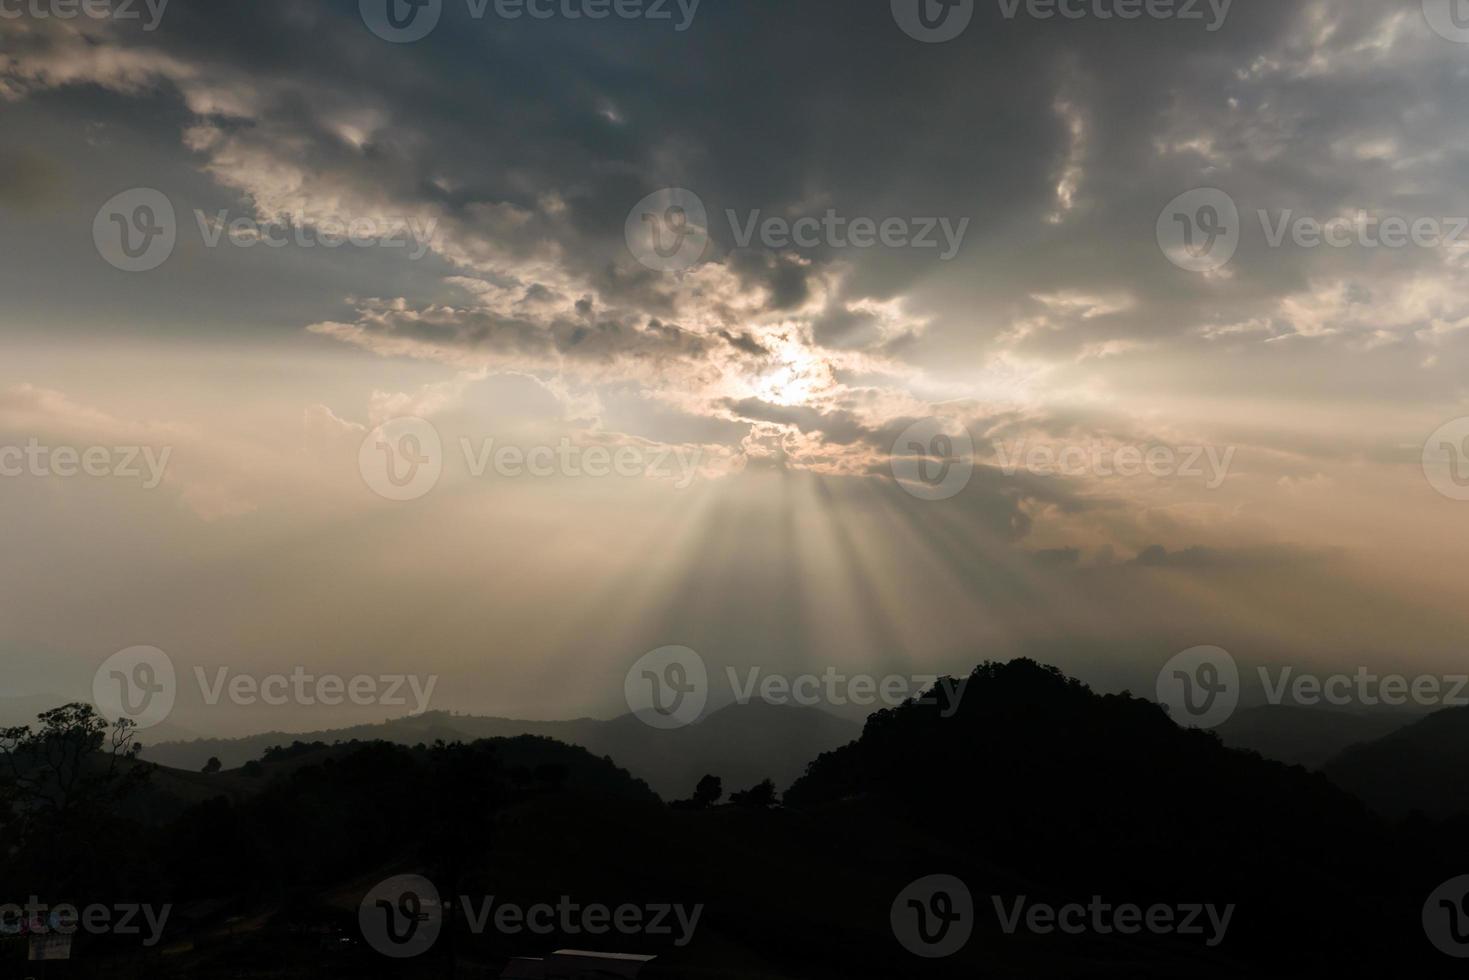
<point x="797" y="377"/>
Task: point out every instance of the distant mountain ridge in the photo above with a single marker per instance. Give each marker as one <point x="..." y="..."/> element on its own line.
<point x="1417" y="768"/>
<point x="1305" y="736"/>
<point x="742" y="743"/>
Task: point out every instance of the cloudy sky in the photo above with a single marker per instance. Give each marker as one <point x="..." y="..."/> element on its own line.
<point x="1148" y="417"/>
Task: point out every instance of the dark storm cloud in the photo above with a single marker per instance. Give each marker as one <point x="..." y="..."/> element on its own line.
<point x="489" y="120"/>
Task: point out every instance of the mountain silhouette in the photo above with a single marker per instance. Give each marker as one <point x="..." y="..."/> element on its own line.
<point x="1419" y="768"/>
<point x="743" y="743"/>
<point x="1024" y="785"/>
<point x="1049" y="788"/>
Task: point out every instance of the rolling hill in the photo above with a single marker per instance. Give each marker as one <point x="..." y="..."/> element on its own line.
<point x="1417" y="768"/>
<point x="742" y="743"/>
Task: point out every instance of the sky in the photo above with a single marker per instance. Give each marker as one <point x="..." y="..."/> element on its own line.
<point x="802" y="335"/>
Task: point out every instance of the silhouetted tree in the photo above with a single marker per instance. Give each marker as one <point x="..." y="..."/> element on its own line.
<point x="708" y="792"/>
<point x="74" y="763"/>
<point x="213" y="765"/>
<point x="60" y="789"/>
<point x="762" y="794"/>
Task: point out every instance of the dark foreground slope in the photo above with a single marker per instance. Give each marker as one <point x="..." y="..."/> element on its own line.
<point x="1031" y="788"/>
<point x="1055" y="791"/>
